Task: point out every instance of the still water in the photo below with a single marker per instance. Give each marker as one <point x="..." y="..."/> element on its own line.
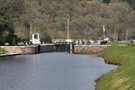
<point x="51" y="71"/>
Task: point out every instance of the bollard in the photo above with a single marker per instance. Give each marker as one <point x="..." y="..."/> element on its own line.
<point x="71" y="48"/>
<point x="38" y="48"/>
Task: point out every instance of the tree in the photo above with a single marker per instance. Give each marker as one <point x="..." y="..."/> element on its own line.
<point x="86" y="19"/>
<point x="62" y="25"/>
<point x="106" y="1"/>
<point x="10" y="11"/>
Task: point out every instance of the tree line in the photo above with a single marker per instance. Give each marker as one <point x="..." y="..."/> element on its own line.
<point x="49" y="18"/>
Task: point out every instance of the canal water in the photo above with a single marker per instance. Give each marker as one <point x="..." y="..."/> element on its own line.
<point x="51" y="71"/>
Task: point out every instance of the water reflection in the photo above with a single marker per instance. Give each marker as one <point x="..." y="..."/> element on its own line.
<point x="51" y="71"/>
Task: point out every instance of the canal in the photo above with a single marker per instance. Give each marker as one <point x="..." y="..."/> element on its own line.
<point x="51" y="71"/>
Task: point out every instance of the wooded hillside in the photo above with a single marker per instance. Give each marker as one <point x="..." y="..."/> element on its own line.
<point x="49" y="17"/>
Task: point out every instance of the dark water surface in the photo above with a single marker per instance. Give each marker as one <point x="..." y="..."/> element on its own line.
<point x="51" y="71"/>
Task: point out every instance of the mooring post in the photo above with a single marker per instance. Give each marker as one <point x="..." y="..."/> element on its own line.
<point x="71" y="47"/>
<point x="39" y="48"/>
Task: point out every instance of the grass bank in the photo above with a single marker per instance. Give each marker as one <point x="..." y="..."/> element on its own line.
<point x="2" y="50"/>
<point x="123" y="77"/>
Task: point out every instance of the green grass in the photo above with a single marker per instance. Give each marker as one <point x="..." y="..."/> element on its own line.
<point x="123" y="77"/>
<point x="2" y="50"/>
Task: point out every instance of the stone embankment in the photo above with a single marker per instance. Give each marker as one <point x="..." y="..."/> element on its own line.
<point x="78" y="49"/>
<point x="28" y="49"/>
<point x="89" y="49"/>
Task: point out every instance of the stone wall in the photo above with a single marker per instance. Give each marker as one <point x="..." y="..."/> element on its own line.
<point x="20" y="49"/>
<point x="28" y="49"/>
<point x="89" y="49"/>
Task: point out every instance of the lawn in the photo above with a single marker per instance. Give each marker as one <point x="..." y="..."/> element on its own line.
<point x="2" y="50"/>
<point x="123" y="77"/>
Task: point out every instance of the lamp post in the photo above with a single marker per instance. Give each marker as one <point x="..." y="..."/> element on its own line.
<point x="103" y="32"/>
<point x="68" y="29"/>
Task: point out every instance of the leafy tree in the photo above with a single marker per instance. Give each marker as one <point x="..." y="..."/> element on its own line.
<point x="46" y="39"/>
<point x="62" y="25"/>
<point x="49" y="17"/>
<point x="106" y="1"/>
<point x="131" y="2"/>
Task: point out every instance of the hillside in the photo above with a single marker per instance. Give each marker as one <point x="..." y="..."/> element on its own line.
<point x="50" y="18"/>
